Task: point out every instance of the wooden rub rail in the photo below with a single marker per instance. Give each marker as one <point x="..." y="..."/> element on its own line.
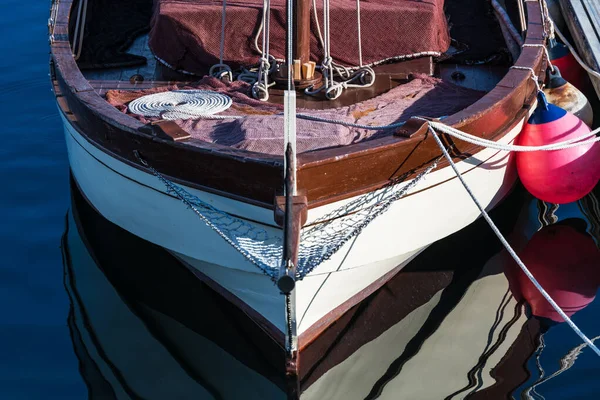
<point x="324" y="175"/>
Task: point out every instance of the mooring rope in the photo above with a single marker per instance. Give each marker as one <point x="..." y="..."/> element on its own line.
<point x="510" y="250"/>
<point x="533" y="75"/>
<point x="567" y="144"/>
<point x="168" y="108"/>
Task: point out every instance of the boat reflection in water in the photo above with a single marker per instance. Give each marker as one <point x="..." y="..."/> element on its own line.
<point x="449" y="326"/>
<point x="561" y="247"/>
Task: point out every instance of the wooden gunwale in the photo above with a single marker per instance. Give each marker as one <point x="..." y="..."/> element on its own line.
<point x="326" y="175"/>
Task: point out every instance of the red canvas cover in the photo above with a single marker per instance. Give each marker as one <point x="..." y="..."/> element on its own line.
<point x="186" y="34"/>
<point x="262" y="129"/>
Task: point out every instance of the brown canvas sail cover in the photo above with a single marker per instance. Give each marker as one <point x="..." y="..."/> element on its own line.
<point x="186" y="34"/>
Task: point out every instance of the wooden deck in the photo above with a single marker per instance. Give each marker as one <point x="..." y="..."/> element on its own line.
<point x="149" y="71"/>
<point x="583" y="20"/>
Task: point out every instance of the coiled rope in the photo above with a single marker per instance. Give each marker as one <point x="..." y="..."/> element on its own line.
<point x="510" y="250"/>
<point x="182" y="104"/>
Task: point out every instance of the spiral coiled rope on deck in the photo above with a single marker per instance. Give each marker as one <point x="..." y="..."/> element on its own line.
<point x="182" y="104"/>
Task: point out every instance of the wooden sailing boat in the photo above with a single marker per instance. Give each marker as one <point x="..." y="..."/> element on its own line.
<point x="136" y="170"/>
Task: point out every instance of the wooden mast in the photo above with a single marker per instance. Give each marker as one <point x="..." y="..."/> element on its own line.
<point x="301" y="24"/>
<point x="300" y="48"/>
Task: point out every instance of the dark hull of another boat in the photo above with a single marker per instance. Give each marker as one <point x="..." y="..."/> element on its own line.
<point x="583" y="19"/>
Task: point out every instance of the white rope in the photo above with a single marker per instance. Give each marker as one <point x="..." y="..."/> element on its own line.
<point x="509" y="248"/>
<point x="360" y="59"/>
<point x="533" y="76"/>
<point x="361" y="76"/>
<point x="260" y="89"/>
<point x="466" y="137"/>
<point x="316" y="15"/>
<point x="545" y="52"/>
<point x="567" y="144"/>
<point x="222" y="70"/>
<point x="547" y="22"/>
<point x="182" y="104"/>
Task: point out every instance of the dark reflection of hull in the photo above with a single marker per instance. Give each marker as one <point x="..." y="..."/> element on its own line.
<point x="144" y="326"/>
<point x="126" y="324"/>
<point x="473" y="341"/>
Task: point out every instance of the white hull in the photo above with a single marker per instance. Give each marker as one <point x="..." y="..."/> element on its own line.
<point x="137" y="202"/>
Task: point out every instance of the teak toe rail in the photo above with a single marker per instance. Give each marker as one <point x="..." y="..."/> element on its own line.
<point x="324" y="175"/>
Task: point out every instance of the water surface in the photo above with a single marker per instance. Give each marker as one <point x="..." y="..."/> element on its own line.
<point x="473" y="338"/>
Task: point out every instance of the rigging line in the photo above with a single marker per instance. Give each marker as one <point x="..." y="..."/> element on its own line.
<point x="260" y="88"/>
<point x="290" y="101"/>
<point x="350" y="124"/>
<point x="360" y="59"/>
<point x="221" y="70"/>
<point x="222" y="44"/>
<point x="510" y="249"/>
<point x="290" y="27"/>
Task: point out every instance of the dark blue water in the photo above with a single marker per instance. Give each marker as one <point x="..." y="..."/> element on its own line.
<point x="37" y="360"/>
<point x="37" y="357"/>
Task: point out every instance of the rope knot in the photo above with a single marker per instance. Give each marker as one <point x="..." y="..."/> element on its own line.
<point x="221" y="71"/>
